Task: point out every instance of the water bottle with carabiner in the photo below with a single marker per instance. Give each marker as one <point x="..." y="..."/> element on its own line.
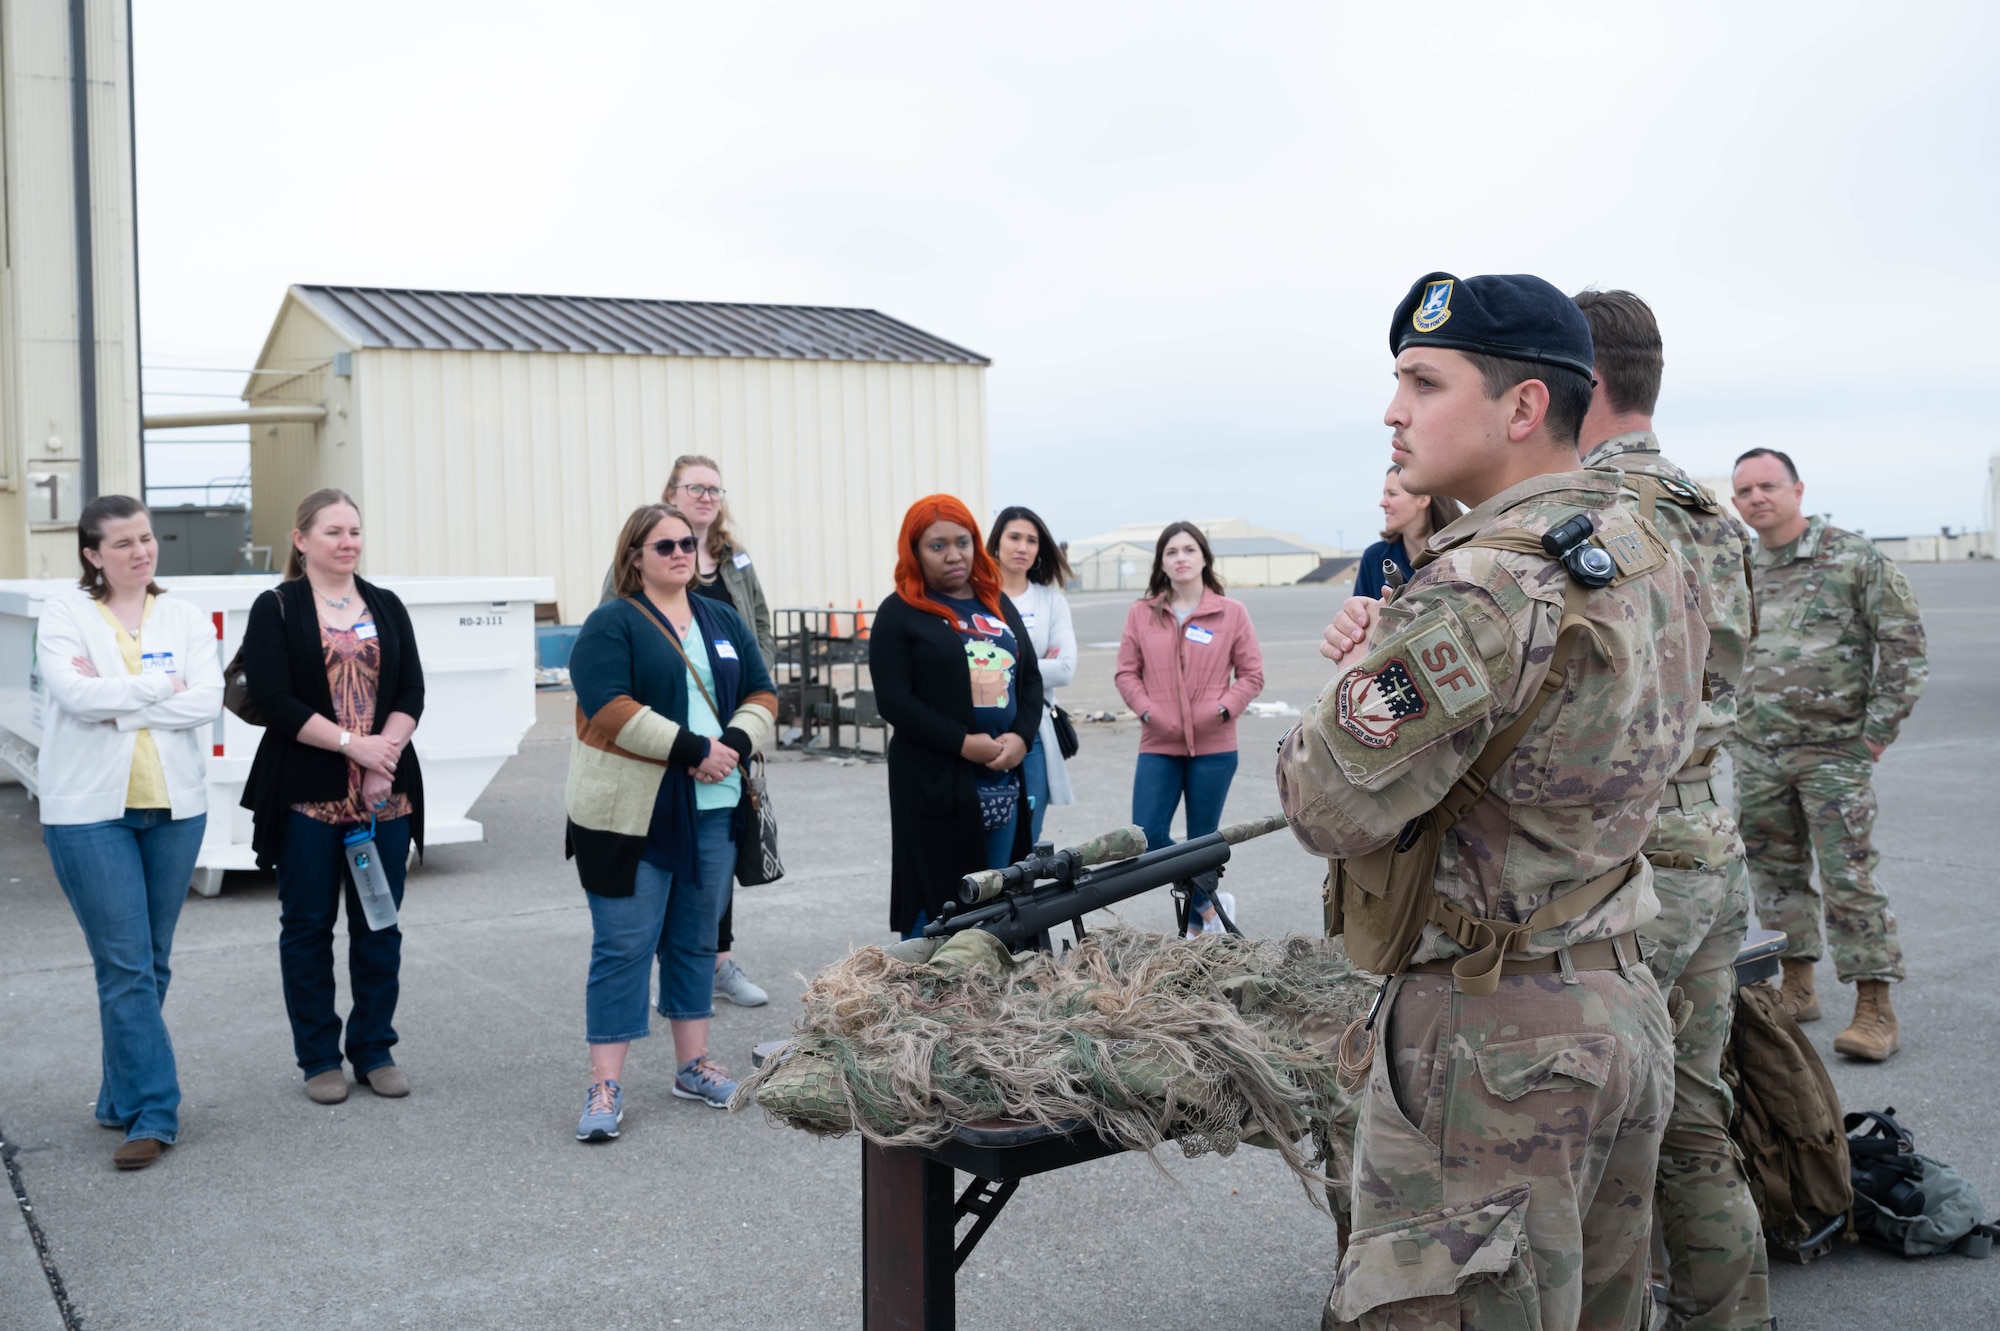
<point x="371" y="880"/>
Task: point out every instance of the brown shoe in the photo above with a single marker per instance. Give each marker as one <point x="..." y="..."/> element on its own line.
<point x="386" y="1081"/>
<point x="138" y="1153"/>
<point x="1800" y="1000"/>
<point x="327" y="1088"/>
<point x="1873" y="1033"/>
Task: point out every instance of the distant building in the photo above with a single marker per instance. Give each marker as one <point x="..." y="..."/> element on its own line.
<point x="511" y="434"/>
<point x="1245" y="556"/>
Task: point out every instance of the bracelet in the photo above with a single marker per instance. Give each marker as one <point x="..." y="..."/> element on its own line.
<point x="344" y="737"/>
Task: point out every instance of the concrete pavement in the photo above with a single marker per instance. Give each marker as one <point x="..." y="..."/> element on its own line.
<point x="470" y="1205"/>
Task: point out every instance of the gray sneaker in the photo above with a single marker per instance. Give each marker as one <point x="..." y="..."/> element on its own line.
<point x="603" y="1111"/>
<point x="731" y="983"/>
<point x="699" y="1079"/>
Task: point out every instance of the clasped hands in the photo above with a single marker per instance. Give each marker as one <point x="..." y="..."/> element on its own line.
<point x="999" y="755"/>
<point x="721" y="761"/>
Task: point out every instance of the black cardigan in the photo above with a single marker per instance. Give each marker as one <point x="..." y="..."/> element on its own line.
<point x="924" y="689"/>
<point x="285" y="668"/>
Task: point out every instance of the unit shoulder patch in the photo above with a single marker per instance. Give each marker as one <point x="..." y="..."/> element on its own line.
<point x="1372" y="705"/>
<point x="1421" y="681"/>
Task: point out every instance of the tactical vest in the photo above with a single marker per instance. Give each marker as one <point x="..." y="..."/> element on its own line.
<point x="1381" y="901"/>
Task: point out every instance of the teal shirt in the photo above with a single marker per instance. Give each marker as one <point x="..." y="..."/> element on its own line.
<point x="702" y="720"/>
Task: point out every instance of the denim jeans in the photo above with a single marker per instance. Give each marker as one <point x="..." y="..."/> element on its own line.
<point x="1158" y="785"/>
<point x="674" y="922"/>
<point x="1035" y="767"/>
<point x="126" y="880"/>
<point x="312" y="880"/>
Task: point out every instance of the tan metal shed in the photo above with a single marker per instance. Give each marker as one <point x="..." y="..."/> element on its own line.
<point x="510" y="434"/>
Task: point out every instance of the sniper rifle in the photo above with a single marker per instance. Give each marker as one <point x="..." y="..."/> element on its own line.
<point x="1020" y="904"/>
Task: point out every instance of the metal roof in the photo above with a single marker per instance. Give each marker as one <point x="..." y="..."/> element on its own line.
<point x="1256" y="545"/>
<point x="496" y="321"/>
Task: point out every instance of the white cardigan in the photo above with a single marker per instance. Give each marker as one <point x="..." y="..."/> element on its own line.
<point x="1044" y="613"/>
<point x="90" y="726"/>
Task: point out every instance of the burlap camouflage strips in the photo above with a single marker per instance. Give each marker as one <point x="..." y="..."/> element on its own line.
<point x="1504" y="1159"/>
<point x="1716" y="1260"/>
<point x="1812" y="802"/>
<point x="1839" y="653"/>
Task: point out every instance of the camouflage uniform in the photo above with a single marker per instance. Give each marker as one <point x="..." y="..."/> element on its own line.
<point x="1503" y="1168"/>
<point x="1838" y="660"/>
<point x="1718" y="1273"/>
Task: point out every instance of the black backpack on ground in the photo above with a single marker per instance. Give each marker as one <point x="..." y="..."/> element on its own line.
<point x="1910" y="1203"/>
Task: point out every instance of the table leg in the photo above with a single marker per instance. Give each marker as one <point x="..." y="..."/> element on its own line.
<point x="907" y="1241"/>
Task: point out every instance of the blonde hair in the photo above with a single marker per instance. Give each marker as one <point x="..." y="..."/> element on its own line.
<point x="625" y="579"/>
<point x="309" y="509"/>
<point x="721" y="541"/>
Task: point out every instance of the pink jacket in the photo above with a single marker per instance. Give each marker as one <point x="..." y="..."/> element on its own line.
<point x="1181" y="675"/>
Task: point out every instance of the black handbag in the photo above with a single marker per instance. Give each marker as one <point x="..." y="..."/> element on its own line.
<point x="1066" y="741"/>
<point x="236" y="680"/>
<point x="757" y="861"/>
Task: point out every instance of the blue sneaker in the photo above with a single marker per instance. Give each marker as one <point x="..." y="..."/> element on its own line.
<point x="603" y="1111"/>
<point x="699" y="1079"/>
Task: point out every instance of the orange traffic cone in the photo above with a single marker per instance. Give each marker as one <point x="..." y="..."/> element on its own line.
<point x="860" y="621"/>
<point x="834" y="628"/>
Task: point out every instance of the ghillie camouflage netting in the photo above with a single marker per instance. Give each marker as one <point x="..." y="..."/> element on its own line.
<point x="1145" y="1037"/>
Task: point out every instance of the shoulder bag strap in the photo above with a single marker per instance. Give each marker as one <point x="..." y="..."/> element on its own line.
<point x="681" y="651"/>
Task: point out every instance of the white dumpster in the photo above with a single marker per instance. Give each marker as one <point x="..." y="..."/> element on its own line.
<point x="477" y="639"/>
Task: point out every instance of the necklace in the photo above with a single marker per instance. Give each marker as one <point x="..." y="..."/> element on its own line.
<point x="340" y="604"/>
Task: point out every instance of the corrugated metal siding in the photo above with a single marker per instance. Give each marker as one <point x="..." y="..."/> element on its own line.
<point x="497" y="321"/>
<point x="288" y="462"/>
<point x="484" y="462"/>
<point x="40" y="390"/>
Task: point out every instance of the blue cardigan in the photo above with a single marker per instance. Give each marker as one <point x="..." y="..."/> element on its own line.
<point x="623" y="661"/>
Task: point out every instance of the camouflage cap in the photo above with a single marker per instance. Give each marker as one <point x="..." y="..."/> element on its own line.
<point x="1515" y="315"/>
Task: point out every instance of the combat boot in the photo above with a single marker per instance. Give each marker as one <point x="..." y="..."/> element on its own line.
<point x="1800" y="1000"/>
<point x="1872" y="1034"/>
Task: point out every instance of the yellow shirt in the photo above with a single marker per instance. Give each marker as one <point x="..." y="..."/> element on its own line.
<point x="147" y="788"/>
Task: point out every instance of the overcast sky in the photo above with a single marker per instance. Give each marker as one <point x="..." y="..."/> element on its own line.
<point x="1178" y="230"/>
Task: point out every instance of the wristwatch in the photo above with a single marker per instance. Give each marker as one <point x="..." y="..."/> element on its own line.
<point x="344" y="737"/>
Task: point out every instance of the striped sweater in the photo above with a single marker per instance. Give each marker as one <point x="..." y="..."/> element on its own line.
<point x="630" y="788"/>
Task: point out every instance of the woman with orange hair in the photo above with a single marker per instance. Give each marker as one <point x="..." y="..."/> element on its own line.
<point x="955" y="674"/>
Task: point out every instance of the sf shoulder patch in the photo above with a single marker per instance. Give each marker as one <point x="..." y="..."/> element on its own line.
<point x="1421" y="682"/>
<point x="1372" y="705"/>
<point x="1448" y="667"/>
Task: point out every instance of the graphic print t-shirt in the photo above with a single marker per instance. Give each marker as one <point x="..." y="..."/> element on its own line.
<point x="990" y="657"/>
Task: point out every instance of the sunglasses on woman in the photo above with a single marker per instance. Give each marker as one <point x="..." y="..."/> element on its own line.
<point x="687" y="545"/>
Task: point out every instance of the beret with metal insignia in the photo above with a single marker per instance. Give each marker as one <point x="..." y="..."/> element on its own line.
<point x="1515" y="315"/>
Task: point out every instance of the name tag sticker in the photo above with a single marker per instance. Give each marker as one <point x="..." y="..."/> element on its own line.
<point x="1027" y="619"/>
<point x="157" y="663"/>
<point x="364" y="630"/>
<point x="742" y="559"/>
<point x="1196" y="633"/>
<point x="726" y="649"/>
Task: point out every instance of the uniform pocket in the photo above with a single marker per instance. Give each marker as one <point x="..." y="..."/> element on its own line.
<point x="1459" y="1267"/>
<point x="1546" y="1063"/>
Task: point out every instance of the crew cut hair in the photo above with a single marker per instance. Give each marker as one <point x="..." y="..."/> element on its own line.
<point x="1630" y="356"/>
<point x="1569" y="392"/>
<point x="1785" y="458"/>
<point x="1051" y="567"/>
